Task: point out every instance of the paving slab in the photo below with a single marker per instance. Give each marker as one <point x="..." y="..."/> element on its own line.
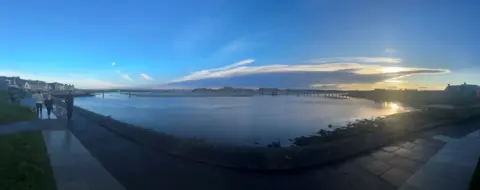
<point x="73" y="166"/>
<point x="451" y="167"/>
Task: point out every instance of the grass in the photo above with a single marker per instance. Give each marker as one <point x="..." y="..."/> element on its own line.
<point x="11" y="112"/>
<point x="475" y="181"/>
<point x="24" y="162"/>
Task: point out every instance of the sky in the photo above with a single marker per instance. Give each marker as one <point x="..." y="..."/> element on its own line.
<point x="318" y="44"/>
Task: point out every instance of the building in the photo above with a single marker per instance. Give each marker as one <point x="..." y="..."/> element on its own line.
<point x="58" y="87"/>
<point x="47" y="87"/>
<point x="23" y="84"/>
<point x="465" y="93"/>
<point x="11" y="81"/>
<point x="36" y="86"/>
<point x="69" y="87"/>
<point x="51" y="86"/>
<point x="464" y="89"/>
<point x="4" y="85"/>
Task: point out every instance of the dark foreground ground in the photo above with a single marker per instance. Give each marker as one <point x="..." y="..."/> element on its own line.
<point x="24" y="162"/>
<point x="138" y="167"/>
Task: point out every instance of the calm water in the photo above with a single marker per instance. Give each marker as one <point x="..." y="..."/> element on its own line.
<point x="236" y="120"/>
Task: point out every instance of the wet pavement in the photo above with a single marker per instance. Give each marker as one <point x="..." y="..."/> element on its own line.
<point x="73" y="166"/>
<point x="138" y="167"/>
<point x="451" y="168"/>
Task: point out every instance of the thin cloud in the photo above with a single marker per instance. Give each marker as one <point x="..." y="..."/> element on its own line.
<point x="118" y="71"/>
<point x="291" y="76"/>
<point x="212" y="72"/>
<point x="354" y="68"/>
<point x="390" y="50"/>
<point x="357" y="60"/>
<point x="126" y="77"/>
<point x="146" y="77"/>
<point x="233" y="46"/>
<point x="113" y="63"/>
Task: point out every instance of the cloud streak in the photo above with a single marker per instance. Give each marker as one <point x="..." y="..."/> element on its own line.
<point x="113" y="63"/>
<point x="357" y="60"/>
<point x="329" y="72"/>
<point x="390" y="50"/>
<point x="213" y="72"/>
<point x="146" y="77"/>
<point x="126" y="77"/>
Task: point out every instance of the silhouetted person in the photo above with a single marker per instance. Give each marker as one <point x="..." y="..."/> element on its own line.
<point x="49" y="105"/>
<point x="69" y="101"/>
<point x="39" y="103"/>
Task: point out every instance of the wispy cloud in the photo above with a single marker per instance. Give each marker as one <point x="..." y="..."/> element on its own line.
<point x="354" y="68"/>
<point x="213" y="72"/>
<point x="126" y="77"/>
<point x="356" y="60"/>
<point x="113" y="63"/>
<point x="235" y="47"/>
<point x="118" y="71"/>
<point x="390" y="50"/>
<point x="334" y="72"/>
<point x="146" y="77"/>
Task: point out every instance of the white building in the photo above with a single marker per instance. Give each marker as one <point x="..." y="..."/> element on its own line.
<point x="465" y="92"/>
<point x="26" y="86"/>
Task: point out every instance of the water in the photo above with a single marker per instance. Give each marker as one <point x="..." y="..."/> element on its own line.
<point x="254" y="121"/>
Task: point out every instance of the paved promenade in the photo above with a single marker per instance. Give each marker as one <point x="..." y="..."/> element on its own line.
<point x="451" y="168"/>
<point x="138" y="167"/>
<point x="74" y="168"/>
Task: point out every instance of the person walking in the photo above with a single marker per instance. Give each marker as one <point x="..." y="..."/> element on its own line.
<point x="39" y="103"/>
<point x="49" y="105"/>
<point x="69" y="101"/>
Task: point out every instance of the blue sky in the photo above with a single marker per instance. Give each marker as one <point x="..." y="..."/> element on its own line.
<point x="250" y="43"/>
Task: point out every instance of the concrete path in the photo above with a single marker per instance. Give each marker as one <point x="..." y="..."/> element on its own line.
<point x="138" y="167"/>
<point x="451" y="168"/>
<point x="73" y="166"/>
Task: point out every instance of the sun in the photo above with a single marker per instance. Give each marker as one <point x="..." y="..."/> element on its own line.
<point x="394" y="106"/>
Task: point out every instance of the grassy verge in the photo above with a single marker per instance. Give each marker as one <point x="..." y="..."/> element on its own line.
<point x="24" y="163"/>
<point x="475" y="182"/>
<point x="11" y="112"/>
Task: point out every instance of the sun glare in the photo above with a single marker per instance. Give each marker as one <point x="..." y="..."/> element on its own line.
<point x="394" y="106"/>
<point x="392" y="69"/>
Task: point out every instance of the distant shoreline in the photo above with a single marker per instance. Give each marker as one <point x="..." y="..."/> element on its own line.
<point x="223" y="94"/>
<point x="187" y="94"/>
